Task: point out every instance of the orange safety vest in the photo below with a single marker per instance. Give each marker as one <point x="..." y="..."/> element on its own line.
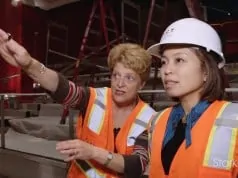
<point x="97" y="128"/>
<point x="213" y="152"/>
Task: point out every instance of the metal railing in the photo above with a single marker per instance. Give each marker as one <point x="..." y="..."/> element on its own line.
<point x="3" y="97"/>
<point x="228" y="90"/>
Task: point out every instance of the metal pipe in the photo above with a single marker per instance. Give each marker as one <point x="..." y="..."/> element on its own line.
<point x="22" y="94"/>
<point x="139" y="25"/>
<point x="115" y="24"/>
<point x="194" y="10"/>
<point x="122" y="20"/>
<point x="2" y="122"/>
<point x="85" y="37"/>
<point x="152" y="5"/>
<point x="89" y="55"/>
<point x="63" y="55"/>
<point x="76" y="59"/>
<point x="103" y="23"/>
<point x="163" y="91"/>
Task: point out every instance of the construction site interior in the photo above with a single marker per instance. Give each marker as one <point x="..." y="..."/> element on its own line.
<point x="73" y="37"/>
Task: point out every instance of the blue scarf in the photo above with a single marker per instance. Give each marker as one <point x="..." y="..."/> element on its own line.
<point x="177" y="114"/>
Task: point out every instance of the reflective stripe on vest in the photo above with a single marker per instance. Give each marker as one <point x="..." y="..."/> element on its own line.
<point x="152" y="125"/>
<point x="140" y="124"/>
<point x="221" y="143"/>
<point x="89" y="170"/>
<point x="97" y="113"/>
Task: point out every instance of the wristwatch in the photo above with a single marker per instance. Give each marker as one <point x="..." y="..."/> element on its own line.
<point x="109" y="158"/>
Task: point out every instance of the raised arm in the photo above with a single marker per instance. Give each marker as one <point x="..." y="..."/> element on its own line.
<point x="71" y="95"/>
<point x="16" y="55"/>
<point x="62" y="90"/>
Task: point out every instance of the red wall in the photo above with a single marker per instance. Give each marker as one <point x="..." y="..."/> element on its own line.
<point x="28" y="26"/>
<point x="10" y="21"/>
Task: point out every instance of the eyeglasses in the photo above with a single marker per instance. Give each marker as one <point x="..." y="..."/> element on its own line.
<point x="128" y="79"/>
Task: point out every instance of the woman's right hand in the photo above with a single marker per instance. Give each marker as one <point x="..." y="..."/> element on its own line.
<point x="13" y="53"/>
<point x="16" y="55"/>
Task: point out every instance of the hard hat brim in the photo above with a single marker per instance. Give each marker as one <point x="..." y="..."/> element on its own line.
<point x="154" y="50"/>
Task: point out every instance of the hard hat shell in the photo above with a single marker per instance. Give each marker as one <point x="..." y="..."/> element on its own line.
<point x="191" y="31"/>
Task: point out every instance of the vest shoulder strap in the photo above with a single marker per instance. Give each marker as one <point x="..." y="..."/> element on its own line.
<point x="222" y="139"/>
<point x="140" y="124"/>
<point x="98" y="109"/>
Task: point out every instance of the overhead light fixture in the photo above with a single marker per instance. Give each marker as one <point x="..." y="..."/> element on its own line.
<point x="15" y="3"/>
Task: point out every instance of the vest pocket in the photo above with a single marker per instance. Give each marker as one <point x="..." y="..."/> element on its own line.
<point x="209" y="172"/>
<point x="94" y="139"/>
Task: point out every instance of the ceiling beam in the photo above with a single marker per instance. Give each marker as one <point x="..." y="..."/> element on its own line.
<point x="194" y="9"/>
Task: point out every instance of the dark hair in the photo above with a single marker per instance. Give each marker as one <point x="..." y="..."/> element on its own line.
<point x="214" y="87"/>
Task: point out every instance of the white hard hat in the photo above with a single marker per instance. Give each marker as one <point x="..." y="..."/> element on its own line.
<point x="191" y="31"/>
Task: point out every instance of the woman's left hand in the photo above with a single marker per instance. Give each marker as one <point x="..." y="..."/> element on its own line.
<point x="76" y="149"/>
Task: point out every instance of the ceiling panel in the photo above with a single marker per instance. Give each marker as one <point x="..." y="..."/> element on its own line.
<point x="48" y="4"/>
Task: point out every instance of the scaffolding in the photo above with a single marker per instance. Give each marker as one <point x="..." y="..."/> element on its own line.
<point x="98" y="24"/>
<point x="98" y="27"/>
<point x="56" y="34"/>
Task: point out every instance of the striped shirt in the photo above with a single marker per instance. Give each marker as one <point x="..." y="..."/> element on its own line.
<point x="77" y="97"/>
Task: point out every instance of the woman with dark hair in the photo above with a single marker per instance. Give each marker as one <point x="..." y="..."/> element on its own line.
<point x="196" y="138"/>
